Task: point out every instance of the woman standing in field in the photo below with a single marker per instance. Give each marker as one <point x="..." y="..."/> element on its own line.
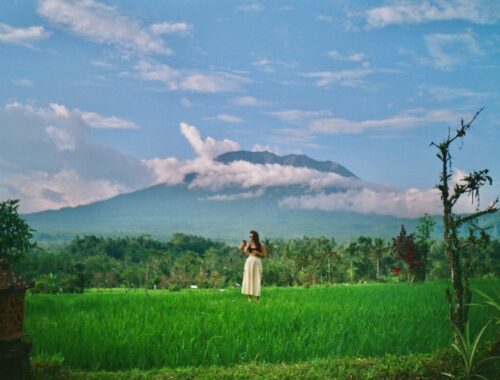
<point x="253" y="266"/>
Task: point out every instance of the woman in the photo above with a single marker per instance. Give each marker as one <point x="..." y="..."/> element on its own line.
<point x="253" y="266"/>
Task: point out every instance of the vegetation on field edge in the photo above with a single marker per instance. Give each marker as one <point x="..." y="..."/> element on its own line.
<point x="419" y="366"/>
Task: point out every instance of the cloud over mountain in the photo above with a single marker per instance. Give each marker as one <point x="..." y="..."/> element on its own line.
<point x="47" y="159"/>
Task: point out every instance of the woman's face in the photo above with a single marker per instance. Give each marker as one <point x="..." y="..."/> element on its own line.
<point x="251" y="237"/>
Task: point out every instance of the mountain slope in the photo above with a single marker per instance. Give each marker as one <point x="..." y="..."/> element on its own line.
<point x="163" y="210"/>
<point x="227" y="214"/>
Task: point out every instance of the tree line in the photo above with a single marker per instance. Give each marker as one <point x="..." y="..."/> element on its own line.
<point x="186" y="260"/>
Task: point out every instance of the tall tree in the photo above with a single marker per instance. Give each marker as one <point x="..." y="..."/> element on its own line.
<point x="404" y="249"/>
<point x="423" y="233"/>
<point x="351" y="250"/>
<point x="460" y="296"/>
<point x="15" y="233"/>
<point x="378" y="252"/>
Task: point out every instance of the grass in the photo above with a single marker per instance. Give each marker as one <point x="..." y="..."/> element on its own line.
<point x="202" y="328"/>
<point x="421" y="366"/>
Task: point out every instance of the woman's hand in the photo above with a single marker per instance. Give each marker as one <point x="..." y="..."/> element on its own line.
<point x="244" y="247"/>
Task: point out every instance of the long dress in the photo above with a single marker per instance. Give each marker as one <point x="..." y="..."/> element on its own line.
<point x="252" y="275"/>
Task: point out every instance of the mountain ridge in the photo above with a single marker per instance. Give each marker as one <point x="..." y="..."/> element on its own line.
<point x="295" y="160"/>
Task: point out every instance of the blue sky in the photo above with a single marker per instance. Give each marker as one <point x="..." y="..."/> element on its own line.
<point x="94" y="92"/>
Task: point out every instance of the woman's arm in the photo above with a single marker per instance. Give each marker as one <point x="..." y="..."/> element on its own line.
<point x="244" y="248"/>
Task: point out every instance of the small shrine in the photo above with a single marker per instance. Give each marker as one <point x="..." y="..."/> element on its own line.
<point x="14" y="350"/>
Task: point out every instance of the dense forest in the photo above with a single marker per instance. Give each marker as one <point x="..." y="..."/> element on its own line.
<point x="186" y="260"/>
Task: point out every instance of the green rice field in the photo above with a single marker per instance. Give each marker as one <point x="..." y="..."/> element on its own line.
<point x="121" y="330"/>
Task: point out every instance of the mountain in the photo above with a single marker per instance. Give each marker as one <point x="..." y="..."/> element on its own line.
<point x="227" y="214"/>
<point x="297" y="160"/>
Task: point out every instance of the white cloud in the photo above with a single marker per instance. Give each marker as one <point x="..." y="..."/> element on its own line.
<point x="23" y="82"/>
<point x="168" y="170"/>
<point x="98" y="63"/>
<point x="187" y="80"/>
<point x="49" y="161"/>
<point x="270" y="66"/>
<point x="98" y="121"/>
<point x="61" y="137"/>
<point x="102" y="23"/>
<point x="411" y="203"/>
<point x="209" y="147"/>
<point x="247" y="175"/>
<point x="249" y="101"/>
<point x="226" y="118"/>
<point x="448" y="50"/>
<point x="348" y="78"/>
<point x="367" y="198"/>
<point x="234" y="197"/>
<point x="179" y="28"/>
<point x="186" y="102"/>
<point x="22" y="36"/>
<point x="416" y="12"/>
<point x="298" y="116"/>
<point x="324" y="18"/>
<point x="408" y="119"/>
<point x="295" y="136"/>
<point x="251" y="8"/>
<point x="215" y="175"/>
<point x="353" y="57"/>
<point x="445" y="94"/>
<point x="265" y="148"/>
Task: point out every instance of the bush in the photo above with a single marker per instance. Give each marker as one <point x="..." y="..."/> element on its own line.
<point x="174" y="288"/>
<point x="71" y="284"/>
<point x="46" y="283"/>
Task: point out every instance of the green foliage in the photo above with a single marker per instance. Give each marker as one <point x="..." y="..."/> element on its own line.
<point x="129" y="329"/>
<point x="143" y="262"/>
<point x="15" y="233"/>
<point x="470" y="355"/>
<point x="492" y="302"/>
<point x="174" y="288"/>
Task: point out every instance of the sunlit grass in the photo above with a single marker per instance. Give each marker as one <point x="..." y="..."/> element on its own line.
<point x="123" y="330"/>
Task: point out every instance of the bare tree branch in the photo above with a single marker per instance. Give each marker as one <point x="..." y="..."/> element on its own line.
<point x="490" y="210"/>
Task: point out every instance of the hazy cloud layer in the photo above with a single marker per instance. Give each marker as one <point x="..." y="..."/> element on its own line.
<point x="102" y="23"/>
<point x="47" y="159"/>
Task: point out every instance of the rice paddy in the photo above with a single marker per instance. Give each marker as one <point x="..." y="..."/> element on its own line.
<point x="122" y="330"/>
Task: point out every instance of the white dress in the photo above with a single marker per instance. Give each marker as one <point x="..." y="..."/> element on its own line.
<point x="252" y="276"/>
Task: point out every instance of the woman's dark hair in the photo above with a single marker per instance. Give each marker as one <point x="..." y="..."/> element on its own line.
<point x="256" y="240"/>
